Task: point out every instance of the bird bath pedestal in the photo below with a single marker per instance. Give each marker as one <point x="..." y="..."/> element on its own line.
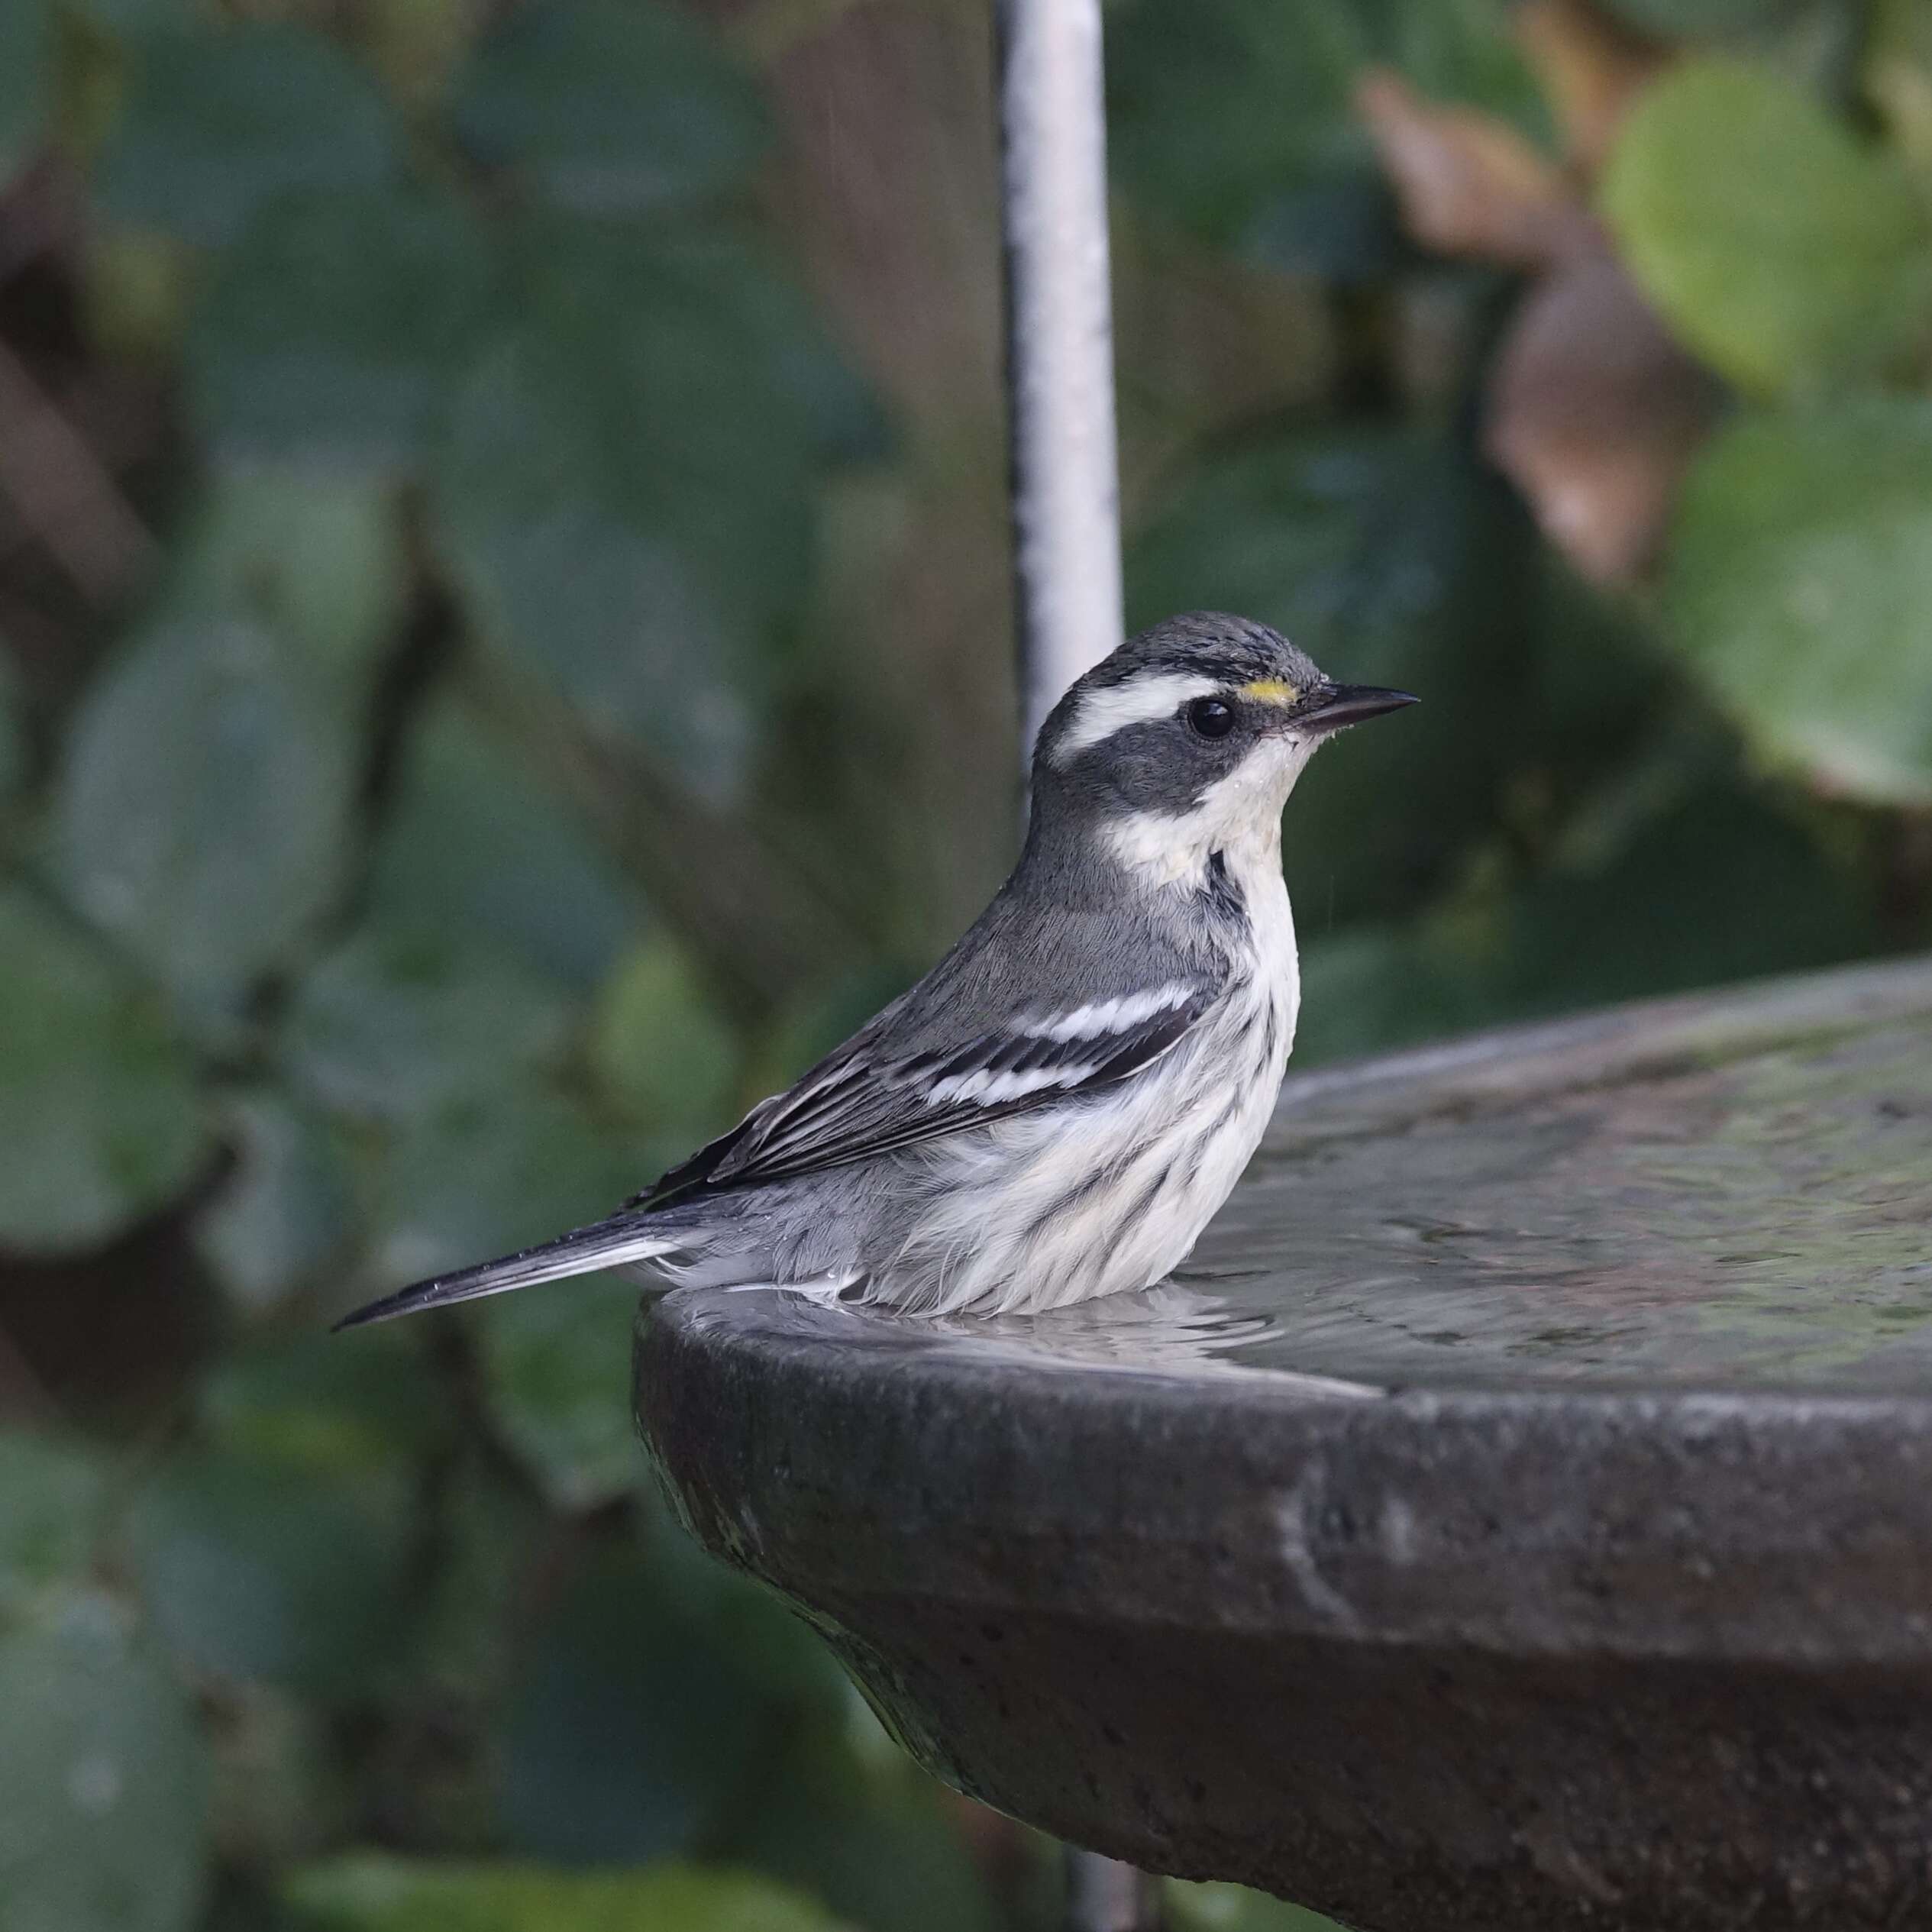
<point x="1519" y="1515"/>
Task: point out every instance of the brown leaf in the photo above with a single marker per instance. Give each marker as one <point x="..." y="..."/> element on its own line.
<point x="1591" y="67"/>
<point x="62" y="493"/>
<point x="1468" y="183"/>
<point x="1594" y="412"/>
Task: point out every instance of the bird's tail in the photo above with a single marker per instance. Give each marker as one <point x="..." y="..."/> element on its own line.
<point x="612" y="1243"/>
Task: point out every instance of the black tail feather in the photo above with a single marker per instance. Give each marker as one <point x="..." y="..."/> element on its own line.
<point x="612" y="1243"/>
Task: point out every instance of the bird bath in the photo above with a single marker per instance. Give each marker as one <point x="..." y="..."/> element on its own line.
<point x="1519" y="1515"/>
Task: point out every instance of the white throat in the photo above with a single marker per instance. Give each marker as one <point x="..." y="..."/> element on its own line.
<point x="1240" y="817"/>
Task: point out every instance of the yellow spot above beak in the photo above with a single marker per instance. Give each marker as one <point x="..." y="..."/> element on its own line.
<point x="1271" y="690"/>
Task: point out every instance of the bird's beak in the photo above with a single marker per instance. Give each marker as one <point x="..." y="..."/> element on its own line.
<point x="1335" y="706"/>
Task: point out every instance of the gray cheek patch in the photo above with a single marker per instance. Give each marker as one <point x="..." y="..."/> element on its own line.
<point x="1157" y="767"/>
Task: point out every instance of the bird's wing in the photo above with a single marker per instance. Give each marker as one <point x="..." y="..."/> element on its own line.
<point x="862" y="1101"/>
<point x="865" y="1100"/>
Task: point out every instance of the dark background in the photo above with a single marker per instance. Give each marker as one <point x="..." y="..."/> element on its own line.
<point x="504" y="592"/>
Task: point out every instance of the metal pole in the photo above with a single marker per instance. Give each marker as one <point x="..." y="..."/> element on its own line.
<point x="1066" y="489"/>
<point x="1066" y="507"/>
<point x="1104" y="1895"/>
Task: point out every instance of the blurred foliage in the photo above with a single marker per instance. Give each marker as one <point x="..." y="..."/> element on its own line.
<point x="1830" y="288"/>
<point x="502" y="659"/>
<point x="382" y="1894"/>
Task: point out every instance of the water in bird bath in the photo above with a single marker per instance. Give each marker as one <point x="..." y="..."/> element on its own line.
<point x="1747" y="1215"/>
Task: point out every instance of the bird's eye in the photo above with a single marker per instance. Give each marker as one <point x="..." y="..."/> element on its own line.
<point x="1210" y="718"/>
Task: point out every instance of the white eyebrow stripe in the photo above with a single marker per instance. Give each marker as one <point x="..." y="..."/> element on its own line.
<point x="1137" y="700"/>
<point x="1091" y="1021"/>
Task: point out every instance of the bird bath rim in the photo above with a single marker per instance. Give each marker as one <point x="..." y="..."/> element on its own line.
<point x="1464" y="1659"/>
<point x="1541" y="1475"/>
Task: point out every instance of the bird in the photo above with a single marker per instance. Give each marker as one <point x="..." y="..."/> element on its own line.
<point x="1058" y="1108"/>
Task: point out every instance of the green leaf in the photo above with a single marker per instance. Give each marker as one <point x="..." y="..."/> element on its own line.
<point x="1236" y="118"/>
<point x="513" y="1165"/>
<point x="1463" y="50"/>
<point x="1712" y="885"/>
<point x="775" y="1647"/>
<point x="875" y="1840"/>
<point x="840" y="417"/>
<point x="558" y="1367"/>
<point x="1799" y="583"/>
<point x="282" y="1552"/>
<point x="133" y="17"/>
<point x="1391" y="559"/>
<point x="99" y="1118"/>
<point x="103" y="1782"/>
<point x="372" y="1892"/>
<point x="476" y="848"/>
<point x="317" y="559"/>
<point x="1719" y="886"/>
<point x="1371" y="988"/>
<point x="205" y="805"/>
<point x="255" y="1567"/>
<point x="662" y="1048"/>
<point x="1776" y="245"/>
<point x="1602" y="675"/>
<point x="807" y="1030"/>
<point x="610" y="106"/>
<point x="1187" y="133"/>
<point x="626" y="491"/>
<point x="220" y="120"/>
<point x="1219" y="1907"/>
<point x="400" y="1023"/>
<point x="336" y="326"/>
<point x="287" y="1208"/>
<point x="209" y="783"/>
<point x="341" y="1409"/>
<point x="26" y="81"/>
<point x="629" y="1729"/>
<point x="51" y="1497"/>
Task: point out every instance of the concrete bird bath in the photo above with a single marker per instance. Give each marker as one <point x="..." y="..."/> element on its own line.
<point x="1519" y="1517"/>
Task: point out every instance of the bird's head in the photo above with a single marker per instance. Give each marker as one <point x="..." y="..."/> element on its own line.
<point x="1188" y="740"/>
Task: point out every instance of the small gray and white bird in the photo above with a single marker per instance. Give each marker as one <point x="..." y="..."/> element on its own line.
<point x="1058" y="1108"/>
